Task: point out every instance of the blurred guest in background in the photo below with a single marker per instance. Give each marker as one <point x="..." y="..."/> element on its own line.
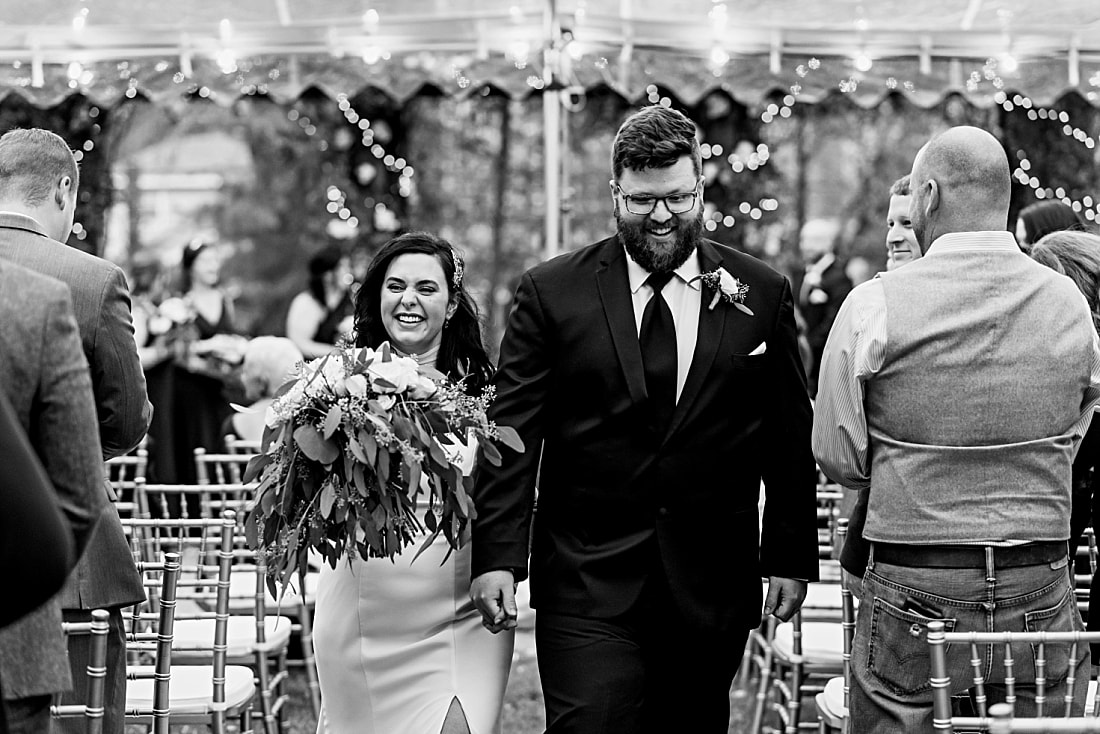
<point x="1077" y="255"/>
<point x="820" y="286"/>
<point x="321" y="314"/>
<point x="1041" y="218"/>
<point x="859" y="270"/>
<point x="39" y="180"/>
<point x="204" y="359"/>
<point x="268" y="363"/>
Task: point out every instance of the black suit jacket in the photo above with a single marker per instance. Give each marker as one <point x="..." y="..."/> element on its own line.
<point x="616" y="501"/>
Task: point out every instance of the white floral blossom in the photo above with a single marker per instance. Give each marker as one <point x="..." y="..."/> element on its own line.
<point x="423" y="388"/>
<point x="398" y="374"/>
<point x="726" y="288"/>
<point x="356" y="386"/>
<point x="324" y="375"/>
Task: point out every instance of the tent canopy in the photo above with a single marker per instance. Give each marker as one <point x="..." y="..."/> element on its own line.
<point x="752" y="47"/>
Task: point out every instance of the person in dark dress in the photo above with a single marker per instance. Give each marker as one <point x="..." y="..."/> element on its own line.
<point x="320" y="315"/>
<point x="204" y="360"/>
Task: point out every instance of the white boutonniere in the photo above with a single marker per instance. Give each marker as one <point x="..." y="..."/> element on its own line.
<point x="726" y="288"/>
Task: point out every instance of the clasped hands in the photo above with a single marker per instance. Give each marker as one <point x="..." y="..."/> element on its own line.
<point x="494" y="595"/>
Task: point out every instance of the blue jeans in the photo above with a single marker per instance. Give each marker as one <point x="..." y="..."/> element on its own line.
<point x="890" y="688"/>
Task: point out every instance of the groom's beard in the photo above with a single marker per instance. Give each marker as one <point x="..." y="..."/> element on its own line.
<point x="660" y="257"/>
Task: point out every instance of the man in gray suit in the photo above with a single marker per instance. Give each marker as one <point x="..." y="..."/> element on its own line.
<point x="956" y="390"/>
<point x="38" y="191"/>
<point x="44" y="374"/>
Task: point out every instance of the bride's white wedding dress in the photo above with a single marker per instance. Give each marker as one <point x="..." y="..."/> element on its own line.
<point x="397" y="642"/>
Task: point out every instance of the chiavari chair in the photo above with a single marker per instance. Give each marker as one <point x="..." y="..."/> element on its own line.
<point x="206" y="688"/>
<point x="123" y="473"/>
<point x="149" y="640"/>
<point x="93" y="708"/>
<point x="1024" y="658"/>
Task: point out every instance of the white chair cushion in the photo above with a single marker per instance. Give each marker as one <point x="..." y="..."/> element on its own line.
<point x="822" y="642"/>
<point x="830" y="702"/>
<point x="198" y="634"/>
<point x="191" y="688"/>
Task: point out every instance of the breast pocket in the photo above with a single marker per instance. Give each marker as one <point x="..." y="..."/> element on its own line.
<point x="748" y="361"/>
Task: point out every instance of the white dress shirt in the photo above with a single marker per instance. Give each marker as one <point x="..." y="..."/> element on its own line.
<point x="684" y="299"/>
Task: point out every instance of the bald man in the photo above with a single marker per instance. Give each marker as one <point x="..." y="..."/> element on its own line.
<point x="956" y="391"/>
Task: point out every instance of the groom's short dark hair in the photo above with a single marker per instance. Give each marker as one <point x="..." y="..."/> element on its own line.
<point x="654" y="137"/>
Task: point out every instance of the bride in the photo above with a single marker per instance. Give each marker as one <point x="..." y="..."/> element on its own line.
<point x="400" y="647"/>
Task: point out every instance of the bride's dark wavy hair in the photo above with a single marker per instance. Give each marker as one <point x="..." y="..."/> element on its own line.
<point x="461" y="351"/>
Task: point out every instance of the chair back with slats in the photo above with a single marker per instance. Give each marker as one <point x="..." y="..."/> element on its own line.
<point x="157" y="500"/>
<point x="211" y="468"/>
<point x="123" y="473"/>
<point x="1013" y="646"/>
<point x="208" y="547"/>
<point x="1004" y="723"/>
<point x="93" y="708"/>
<point x="234" y="445"/>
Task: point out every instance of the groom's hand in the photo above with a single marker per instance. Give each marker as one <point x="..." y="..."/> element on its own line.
<point x="494" y="595"/>
<point x="785" y="597"/>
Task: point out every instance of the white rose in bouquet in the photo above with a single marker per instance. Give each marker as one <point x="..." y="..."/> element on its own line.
<point x="395" y="376"/>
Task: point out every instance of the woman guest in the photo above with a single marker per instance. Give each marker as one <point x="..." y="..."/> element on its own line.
<point x="1040" y="219"/>
<point x="268" y="363"/>
<point x="400" y="647"/>
<point x="204" y="360"/>
<point x="1077" y="255"/>
<point x="321" y="314"/>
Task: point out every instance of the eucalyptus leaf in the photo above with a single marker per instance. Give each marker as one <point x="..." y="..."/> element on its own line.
<point x="314" y="445"/>
<point x="332" y="421"/>
<point x="328" y="499"/>
<point x="491" y="453"/>
<point x="255" y="466"/>
<point x="510" y="438"/>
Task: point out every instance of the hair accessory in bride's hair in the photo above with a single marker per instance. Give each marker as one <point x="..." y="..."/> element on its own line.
<point x="457" y="279"/>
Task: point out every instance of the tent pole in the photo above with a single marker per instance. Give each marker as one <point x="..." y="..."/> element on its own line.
<point x="551" y="124"/>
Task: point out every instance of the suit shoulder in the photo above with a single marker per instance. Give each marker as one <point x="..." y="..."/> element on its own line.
<point x="18" y="278"/>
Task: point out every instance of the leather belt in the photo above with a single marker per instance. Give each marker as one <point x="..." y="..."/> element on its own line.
<point x="968" y="556"/>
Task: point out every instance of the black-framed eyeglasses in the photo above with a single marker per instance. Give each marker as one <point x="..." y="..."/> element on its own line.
<point x="641" y="204"/>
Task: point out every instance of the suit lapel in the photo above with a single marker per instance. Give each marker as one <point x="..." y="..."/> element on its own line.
<point x="711" y="325"/>
<point x="618" y="308"/>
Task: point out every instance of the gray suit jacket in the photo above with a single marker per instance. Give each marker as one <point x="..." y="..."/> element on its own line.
<point x="105" y="575"/>
<point x="45" y="376"/>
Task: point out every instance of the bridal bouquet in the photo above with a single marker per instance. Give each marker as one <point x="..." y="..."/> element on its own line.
<point x="352" y="442"/>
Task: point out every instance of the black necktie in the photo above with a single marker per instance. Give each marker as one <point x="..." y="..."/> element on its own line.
<point x="658" y="341"/>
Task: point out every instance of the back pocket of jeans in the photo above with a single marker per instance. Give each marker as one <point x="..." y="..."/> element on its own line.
<point x="1062" y="617"/>
<point x="898" y="651"/>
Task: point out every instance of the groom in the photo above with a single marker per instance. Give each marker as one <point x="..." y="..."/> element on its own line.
<point x="652" y="405"/>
